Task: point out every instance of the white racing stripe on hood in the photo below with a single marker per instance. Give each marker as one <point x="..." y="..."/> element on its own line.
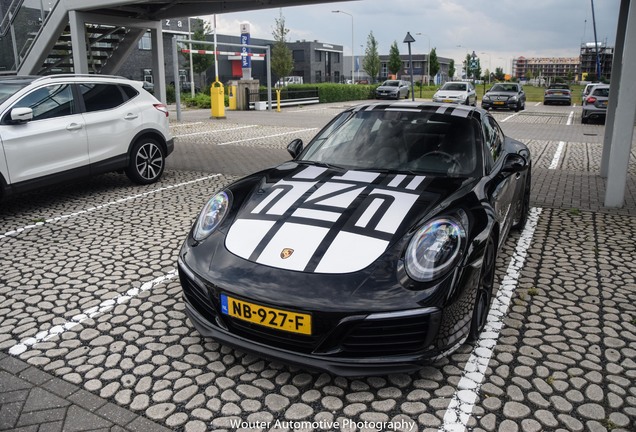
<point x="340" y="259"/>
<point x="245" y="235"/>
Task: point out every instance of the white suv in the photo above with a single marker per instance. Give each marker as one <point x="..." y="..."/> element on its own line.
<point x="62" y="127"/>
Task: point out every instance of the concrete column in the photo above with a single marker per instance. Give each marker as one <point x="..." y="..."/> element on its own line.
<point x="617" y="66"/>
<point x="78" y="42"/>
<point x="623" y="120"/>
<point x="158" y="63"/>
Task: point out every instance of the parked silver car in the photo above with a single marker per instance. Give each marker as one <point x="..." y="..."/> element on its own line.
<point x="459" y="92"/>
<point x="393" y="89"/>
<point x="595" y="105"/>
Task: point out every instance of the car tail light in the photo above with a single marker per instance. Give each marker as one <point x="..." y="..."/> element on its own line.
<point x="162" y="108"/>
<point x="591" y="100"/>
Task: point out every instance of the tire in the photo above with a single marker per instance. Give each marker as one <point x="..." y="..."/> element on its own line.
<point x="408" y="93"/>
<point x="147" y="161"/>
<point x="483" y="298"/>
<point x="584" y="120"/>
<point x="525" y="203"/>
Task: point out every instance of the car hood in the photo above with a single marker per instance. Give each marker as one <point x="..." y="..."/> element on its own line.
<point x="450" y="93"/>
<point x="320" y="220"/>
<point x="389" y="88"/>
<point x="501" y="94"/>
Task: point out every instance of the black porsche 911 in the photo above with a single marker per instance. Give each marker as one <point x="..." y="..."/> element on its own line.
<point x="372" y="251"/>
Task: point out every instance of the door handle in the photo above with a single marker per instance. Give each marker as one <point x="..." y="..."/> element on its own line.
<point x="131" y="116"/>
<point x="73" y="126"/>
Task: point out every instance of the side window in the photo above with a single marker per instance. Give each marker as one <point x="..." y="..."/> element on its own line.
<point x="494" y="138"/>
<point x="99" y="97"/>
<point x="49" y="102"/>
<point x="129" y="91"/>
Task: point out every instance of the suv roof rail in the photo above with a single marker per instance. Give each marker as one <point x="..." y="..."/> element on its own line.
<point x="79" y="76"/>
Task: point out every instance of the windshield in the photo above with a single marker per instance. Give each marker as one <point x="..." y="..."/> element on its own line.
<point x="422" y="141"/>
<point x="10" y="88"/>
<point x="390" y="83"/>
<point x="454" y="86"/>
<point x="504" y="88"/>
<point x="602" y="92"/>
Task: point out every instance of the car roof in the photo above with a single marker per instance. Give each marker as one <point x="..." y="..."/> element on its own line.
<point x="452" y="109"/>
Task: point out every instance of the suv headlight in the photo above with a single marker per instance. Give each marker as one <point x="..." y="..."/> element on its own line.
<point x="435" y="249"/>
<point x="211" y="216"/>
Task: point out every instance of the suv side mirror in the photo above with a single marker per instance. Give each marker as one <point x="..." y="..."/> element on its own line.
<point x="295" y="147"/>
<point x="21" y="115"/>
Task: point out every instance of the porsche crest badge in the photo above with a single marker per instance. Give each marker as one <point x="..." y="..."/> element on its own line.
<point x="286" y="253"/>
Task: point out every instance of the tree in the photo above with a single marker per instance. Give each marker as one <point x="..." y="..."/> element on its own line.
<point x="282" y="60"/>
<point x="395" y="62"/>
<point x="499" y="74"/>
<point x="200" y="62"/>
<point x="371" y="60"/>
<point x="434" y="63"/>
<point x="451" y="69"/>
<point x="529" y="75"/>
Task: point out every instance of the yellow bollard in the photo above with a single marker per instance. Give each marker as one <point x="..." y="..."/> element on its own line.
<point x="277" y="100"/>
<point x="217" y="100"/>
<point x="232" y="98"/>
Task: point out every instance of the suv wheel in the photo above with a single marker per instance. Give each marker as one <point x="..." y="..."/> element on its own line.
<point x="147" y="161"/>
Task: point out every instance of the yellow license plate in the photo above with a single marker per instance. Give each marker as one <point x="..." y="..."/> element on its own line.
<point x="293" y="322"/>
<point x="499" y="103"/>
<point x="447" y="100"/>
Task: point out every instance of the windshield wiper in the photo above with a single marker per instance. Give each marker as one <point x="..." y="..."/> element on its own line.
<point x="322" y="164"/>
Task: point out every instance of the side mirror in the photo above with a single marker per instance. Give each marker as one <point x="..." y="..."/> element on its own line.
<point x="514" y="163"/>
<point x="21" y="115"/>
<point x="295" y="147"/>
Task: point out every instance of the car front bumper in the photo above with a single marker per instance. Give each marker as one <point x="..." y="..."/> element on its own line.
<point x="355" y="344"/>
<point x="488" y="104"/>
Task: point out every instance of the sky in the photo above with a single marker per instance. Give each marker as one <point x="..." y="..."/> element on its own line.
<point x="497" y="31"/>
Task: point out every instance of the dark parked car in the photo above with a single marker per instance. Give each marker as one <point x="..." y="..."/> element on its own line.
<point x="504" y="96"/>
<point x="393" y="89"/>
<point x="595" y="105"/>
<point x="372" y="251"/>
<point x="557" y="94"/>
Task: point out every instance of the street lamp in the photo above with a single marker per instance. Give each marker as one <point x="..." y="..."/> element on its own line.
<point x="489" y="65"/>
<point x="428" y="58"/>
<point x="408" y="39"/>
<point x="191" y="65"/>
<point x="352" y="49"/>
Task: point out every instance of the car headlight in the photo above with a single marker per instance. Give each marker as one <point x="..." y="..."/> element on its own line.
<point x="462" y="96"/>
<point x="211" y="215"/>
<point x="434" y="249"/>
<point x="514" y="99"/>
<point x="486" y="98"/>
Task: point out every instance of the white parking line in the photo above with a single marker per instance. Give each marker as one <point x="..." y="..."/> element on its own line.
<point x="537" y="104"/>
<point x="510" y="116"/>
<point x="215" y="131"/>
<point x="103" y="307"/>
<point x="557" y="156"/>
<point x="570" y="117"/>
<point x="101" y="206"/>
<point x="267" y="136"/>
<point x="461" y="405"/>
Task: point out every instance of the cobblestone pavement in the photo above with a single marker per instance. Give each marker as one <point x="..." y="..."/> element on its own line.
<point x="93" y="334"/>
